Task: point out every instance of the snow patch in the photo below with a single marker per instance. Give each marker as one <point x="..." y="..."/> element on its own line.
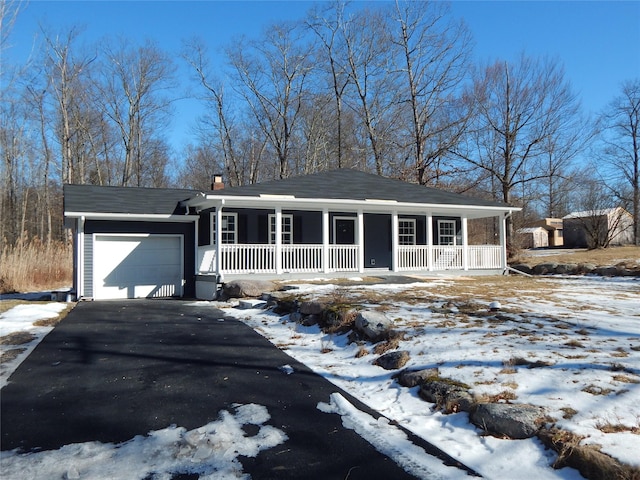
<point x="210" y="451"/>
<point x="390" y="441"/>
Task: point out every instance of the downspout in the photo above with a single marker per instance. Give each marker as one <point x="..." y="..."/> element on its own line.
<point x="503" y="240"/>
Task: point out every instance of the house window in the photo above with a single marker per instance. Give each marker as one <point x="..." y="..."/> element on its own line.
<point x="446" y="232"/>
<point x="228" y="230"/>
<point x="287" y="229"/>
<point x="406" y="231"/>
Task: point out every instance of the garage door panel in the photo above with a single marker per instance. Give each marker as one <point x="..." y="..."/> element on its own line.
<point x="137" y="266"/>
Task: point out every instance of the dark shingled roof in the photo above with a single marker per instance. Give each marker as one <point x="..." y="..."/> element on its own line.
<point x="101" y="199"/>
<point x="343" y="184"/>
<point x="350" y="184"/>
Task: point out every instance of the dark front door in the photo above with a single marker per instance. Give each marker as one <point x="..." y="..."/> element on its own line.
<point x="345" y="231"/>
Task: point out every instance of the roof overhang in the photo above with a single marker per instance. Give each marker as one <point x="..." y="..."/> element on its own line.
<point x="132" y="217"/>
<point x="203" y="201"/>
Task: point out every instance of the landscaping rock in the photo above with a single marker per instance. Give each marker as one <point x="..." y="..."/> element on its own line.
<point x="448" y="395"/>
<point x="373" y="325"/>
<point x="251" y="304"/>
<point x="513" y="421"/>
<point x="296" y="317"/>
<point x="311" y="308"/>
<point x="413" y="378"/>
<point x="285" y="307"/>
<point x="566" y="268"/>
<point x="309" y="320"/>
<point x="392" y="360"/>
<point x="610" y="271"/>
<point x="586" y="268"/>
<point x="545" y="268"/>
<point x="247" y="288"/>
<point x="338" y="319"/>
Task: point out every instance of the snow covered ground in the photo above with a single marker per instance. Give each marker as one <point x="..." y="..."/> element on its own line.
<point x="585" y="334"/>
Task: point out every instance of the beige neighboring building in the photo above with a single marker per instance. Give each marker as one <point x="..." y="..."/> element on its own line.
<point x="610" y="226"/>
<point x="533" y="237"/>
<point x="554" y="228"/>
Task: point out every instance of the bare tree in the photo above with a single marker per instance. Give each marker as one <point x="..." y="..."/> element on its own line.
<point x="622" y="147"/>
<point x="219" y="116"/>
<point x="67" y="71"/>
<point x="134" y="95"/>
<point x="521" y="108"/>
<point x="366" y="36"/>
<point x="328" y="25"/>
<point x="433" y="61"/>
<point x="271" y="76"/>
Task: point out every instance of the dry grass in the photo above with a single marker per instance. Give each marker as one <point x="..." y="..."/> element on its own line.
<point x="31" y="265"/>
<point x="600" y="257"/>
<point x="608" y="427"/>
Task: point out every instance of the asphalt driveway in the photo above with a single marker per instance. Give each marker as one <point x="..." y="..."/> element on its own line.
<point x="113" y="370"/>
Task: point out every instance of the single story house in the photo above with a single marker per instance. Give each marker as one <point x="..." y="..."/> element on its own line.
<point x="596" y="228"/>
<point x="532" y="237"/>
<point x="146" y="242"/>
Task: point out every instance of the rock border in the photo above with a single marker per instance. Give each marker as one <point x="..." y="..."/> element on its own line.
<point x="497" y="417"/>
<point x="552" y="268"/>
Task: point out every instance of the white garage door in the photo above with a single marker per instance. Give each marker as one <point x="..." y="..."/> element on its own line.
<point x="135" y="266"/>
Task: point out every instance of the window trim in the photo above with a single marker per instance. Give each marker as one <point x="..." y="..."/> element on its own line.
<point x="272" y="224"/>
<point x="412" y="237"/>
<point x="441" y="235"/>
<point x="235" y="229"/>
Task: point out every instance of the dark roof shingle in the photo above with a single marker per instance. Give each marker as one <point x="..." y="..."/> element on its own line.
<point x="126" y="200"/>
<point x="342" y="184"/>
<point x="350" y="184"/>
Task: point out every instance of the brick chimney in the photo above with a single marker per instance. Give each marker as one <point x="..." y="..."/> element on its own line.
<point x="216" y="182"/>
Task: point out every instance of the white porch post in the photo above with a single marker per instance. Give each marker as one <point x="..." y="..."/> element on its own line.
<point x="218" y="240"/>
<point x="278" y="240"/>
<point x="503" y="239"/>
<point x="429" y="242"/>
<point x="360" y="231"/>
<point x="394" y="241"/>
<point x="325" y="240"/>
<point x="196" y="231"/>
<point x="80" y="259"/>
<point x="465" y="244"/>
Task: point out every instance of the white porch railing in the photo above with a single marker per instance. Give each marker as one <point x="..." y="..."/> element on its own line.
<point x="250" y="258"/>
<point x="416" y="257"/>
<point x="253" y="258"/>
<point x="343" y="258"/>
<point x="447" y="258"/>
<point x="302" y="258"/>
<point x="484" y="256"/>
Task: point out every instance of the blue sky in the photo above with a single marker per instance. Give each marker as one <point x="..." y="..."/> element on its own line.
<point x="598" y="42"/>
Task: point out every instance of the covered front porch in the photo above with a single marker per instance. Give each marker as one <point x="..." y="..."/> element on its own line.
<point x="251" y="259"/>
<point x="291" y="238"/>
<point x="343" y="223"/>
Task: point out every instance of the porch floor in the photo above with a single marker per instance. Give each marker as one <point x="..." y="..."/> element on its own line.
<point x="383" y="274"/>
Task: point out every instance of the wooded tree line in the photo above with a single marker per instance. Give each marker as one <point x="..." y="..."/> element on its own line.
<point x="390" y="89"/>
